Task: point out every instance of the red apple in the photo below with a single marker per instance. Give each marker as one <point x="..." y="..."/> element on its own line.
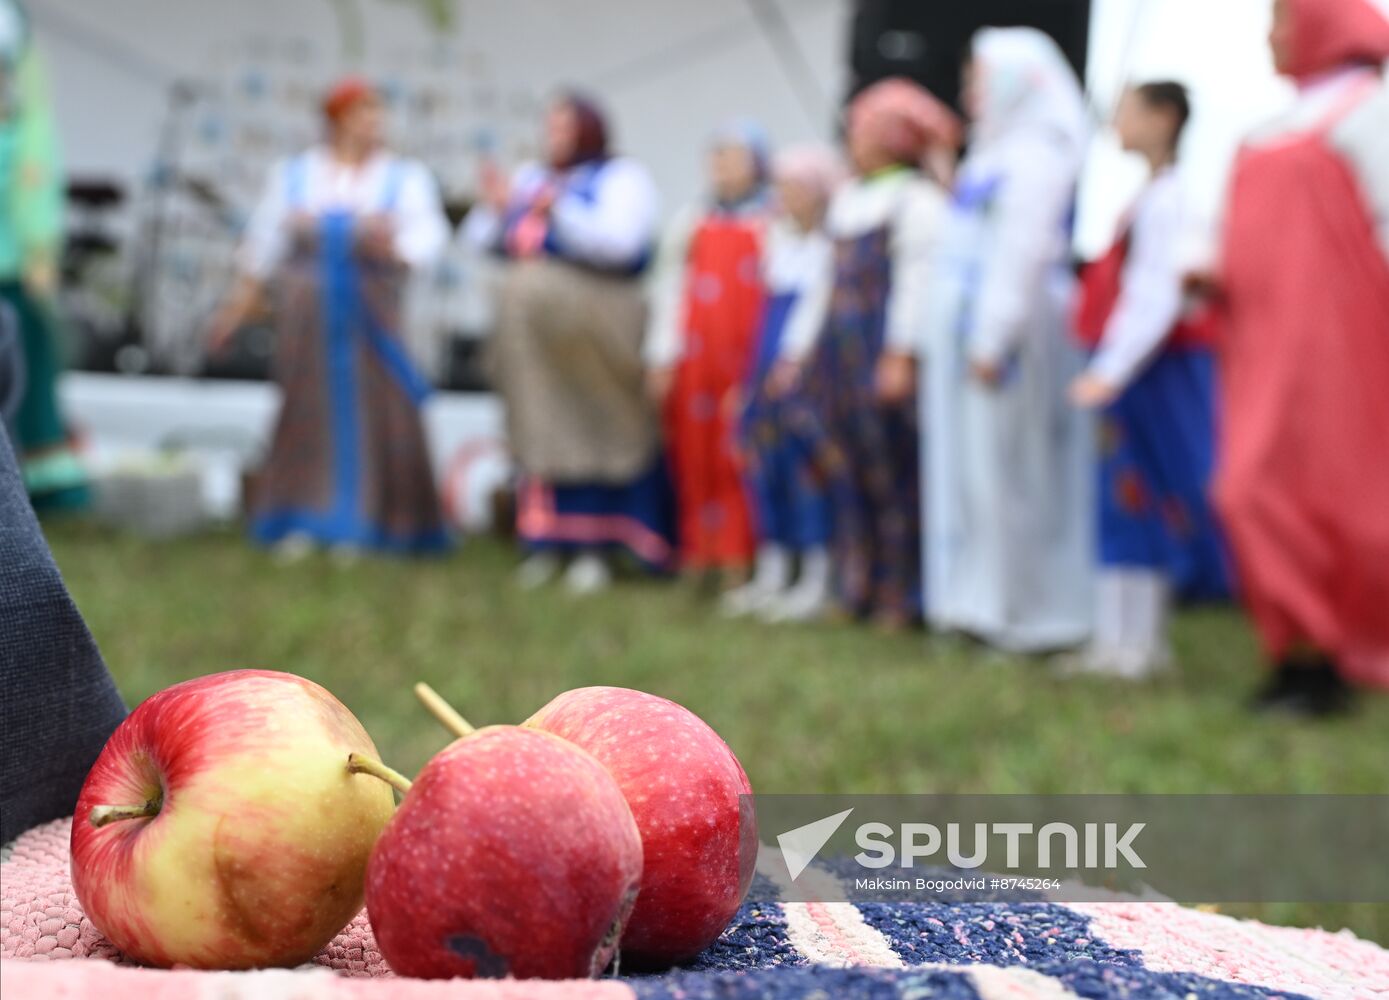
<point x="684" y="785"/>
<point x="513" y="854"/>
<point x="220" y="827"/>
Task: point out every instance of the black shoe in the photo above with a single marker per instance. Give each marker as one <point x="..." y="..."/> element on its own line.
<point x="1283" y="685"/>
<point x="1327" y="695"/>
<point x="1305" y="689"/>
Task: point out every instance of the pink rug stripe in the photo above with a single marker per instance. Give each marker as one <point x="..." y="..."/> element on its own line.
<point x="80" y="980"/>
<point x="1175" y="938"/>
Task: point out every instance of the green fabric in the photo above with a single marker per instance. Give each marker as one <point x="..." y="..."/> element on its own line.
<point x="31" y="179"/>
<point x="54" y="476"/>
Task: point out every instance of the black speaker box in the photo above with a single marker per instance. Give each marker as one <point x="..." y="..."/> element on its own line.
<point x="928" y="40"/>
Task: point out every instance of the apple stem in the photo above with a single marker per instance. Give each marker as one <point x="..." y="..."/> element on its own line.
<point x="101" y="815"/>
<point x="360" y="764"/>
<point x="443" y="711"/>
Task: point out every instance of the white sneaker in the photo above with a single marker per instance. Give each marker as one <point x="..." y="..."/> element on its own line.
<point x="1091" y="660"/>
<point x="748" y="599"/>
<point x="799" y="604"/>
<point x="588" y="574"/>
<point x="537" y="570"/>
<point x="1116" y="662"/>
<point x="1142" y="664"/>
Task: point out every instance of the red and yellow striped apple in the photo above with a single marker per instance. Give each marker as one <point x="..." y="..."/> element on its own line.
<point x="221" y="828"/>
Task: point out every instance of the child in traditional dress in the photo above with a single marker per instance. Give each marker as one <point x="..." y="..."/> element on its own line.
<point x="1302" y="484"/>
<point x="859" y="380"/>
<point x="708" y="312"/>
<point x="1152" y="375"/>
<point x="790" y="503"/>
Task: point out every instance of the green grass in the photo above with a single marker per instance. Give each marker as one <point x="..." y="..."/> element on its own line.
<point x="811" y="709"/>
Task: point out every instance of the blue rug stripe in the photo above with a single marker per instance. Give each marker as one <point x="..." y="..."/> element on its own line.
<point x="1083" y="977"/>
<point x="784" y="984"/>
<point x="1105" y="981"/>
<point x="991" y="933"/>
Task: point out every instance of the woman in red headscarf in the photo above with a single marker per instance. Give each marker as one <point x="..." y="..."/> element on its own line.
<point x="336" y="236"/>
<point x="1303" y="481"/>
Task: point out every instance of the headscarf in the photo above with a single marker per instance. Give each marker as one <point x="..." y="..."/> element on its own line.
<point x="345" y="95"/>
<point x="815" y="166"/>
<point x="904" y="119"/>
<point x="591" y="140"/>
<point x="1331" y="33"/>
<point x="1027" y="84"/>
<point x="749" y="135"/>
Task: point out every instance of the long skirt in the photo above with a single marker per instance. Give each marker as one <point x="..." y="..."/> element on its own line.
<point x="867" y="452"/>
<point x="567" y="363"/>
<point x="52" y="473"/>
<point x="637" y="517"/>
<point x="1157" y="451"/>
<point x="348" y="463"/>
<point x="1010" y="504"/>
<point x="790" y="503"/>
<point x="1303" y="481"/>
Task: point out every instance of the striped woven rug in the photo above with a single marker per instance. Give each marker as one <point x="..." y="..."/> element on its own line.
<point x="773" y="949"/>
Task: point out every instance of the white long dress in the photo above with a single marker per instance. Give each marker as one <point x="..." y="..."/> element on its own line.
<point x="1008" y="468"/>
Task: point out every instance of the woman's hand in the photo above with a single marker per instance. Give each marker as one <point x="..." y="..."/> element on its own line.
<point x="784" y="377"/>
<point x="544" y="200"/>
<point x="243" y="301"/>
<point x="894" y="379"/>
<point x="658" y="384"/>
<point x="376" y="237"/>
<point x="1202" y="283"/>
<point x="302" y="225"/>
<point x="987" y="373"/>
<point x="1090" y="392"/>
<point x="495" y="188"/>
<point x="41" y="276"/>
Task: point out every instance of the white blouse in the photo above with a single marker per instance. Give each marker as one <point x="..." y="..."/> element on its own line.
<point x="316" y="183"/>
<point x="914" y="208"/>
<point x="613" y="225"/>
<point x="800" y="263"/>
<point x="1151" y="299"/>
<point x="1362" y="137"/>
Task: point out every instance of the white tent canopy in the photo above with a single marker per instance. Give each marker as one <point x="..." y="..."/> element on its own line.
<point x="671" y="71"/>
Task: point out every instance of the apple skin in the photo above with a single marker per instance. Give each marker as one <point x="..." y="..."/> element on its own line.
<point x="699" y="838"/>
<point x="258" y="854"/>
<point x="513" y="854"/>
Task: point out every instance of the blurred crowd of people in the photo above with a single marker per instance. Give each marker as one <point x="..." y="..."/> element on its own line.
<point x="867" y="384"/>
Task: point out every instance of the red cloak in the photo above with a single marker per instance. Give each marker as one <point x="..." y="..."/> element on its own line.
<point x="1303" y="482"/>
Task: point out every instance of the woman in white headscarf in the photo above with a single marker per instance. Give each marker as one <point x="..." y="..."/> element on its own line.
<point x="1007" y="471"/>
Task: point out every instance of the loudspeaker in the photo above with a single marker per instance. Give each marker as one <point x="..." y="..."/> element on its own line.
<point x="928" y="40"/>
